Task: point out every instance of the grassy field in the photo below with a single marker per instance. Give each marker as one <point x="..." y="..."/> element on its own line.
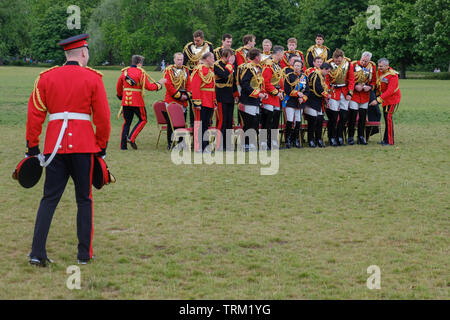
<point x="225" y="232"/>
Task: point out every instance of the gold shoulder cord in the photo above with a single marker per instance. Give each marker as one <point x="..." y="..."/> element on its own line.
<point x="36" y="94"/>
<point x="178" y="82"/>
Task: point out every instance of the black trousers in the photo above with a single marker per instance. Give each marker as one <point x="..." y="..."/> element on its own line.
<point x="314" y="127"/>
<point x="128" y="114"/>
<point x="227" y="121"/>
<point x="78" y="166"/>
<point x="388" y="112"/>
<point x="343" y="116"/>
<point x="361" y="122"/>
<point x="332" y="123"/>
<point x="205" y="120"/>
<point x="169" y="128"/>
<point x="250" y="122"/>
<point x="267" y="123"/>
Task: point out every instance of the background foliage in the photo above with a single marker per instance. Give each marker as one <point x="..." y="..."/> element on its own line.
<point x="414" y="34"/>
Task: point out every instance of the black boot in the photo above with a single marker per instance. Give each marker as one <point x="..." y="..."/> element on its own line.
<point x="320" y="143"/>
<point x="340" y="142"/>
<point x="296" y="135"/>
<point x="351" y="141"/>
<point x="333" y="142"/>
<point x="288" y="134"/>
<point x="361" y="140"/>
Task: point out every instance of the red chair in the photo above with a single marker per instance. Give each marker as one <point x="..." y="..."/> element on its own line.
<point x="158" y="108"/>
<point x="371" y="125"/>
<point x="176" y="116"/>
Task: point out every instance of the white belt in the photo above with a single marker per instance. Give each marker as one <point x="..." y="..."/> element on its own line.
<point x="66" y="116"/>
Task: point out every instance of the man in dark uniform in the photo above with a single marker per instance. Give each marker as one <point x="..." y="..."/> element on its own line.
<point x="317" y="50"/>
<point x="318" y="96"/>
<point x="133" y="82"/>
<point x="71" y="94"/>
<point x="225" y="87"/>
<point x="227" y="41"/>
<point x="251" y="81"/>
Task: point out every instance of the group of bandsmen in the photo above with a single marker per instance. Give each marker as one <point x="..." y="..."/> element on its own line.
<point x="267" y="85"/>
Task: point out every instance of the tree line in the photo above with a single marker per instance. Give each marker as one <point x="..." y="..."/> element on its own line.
<point x="413" y="34"/>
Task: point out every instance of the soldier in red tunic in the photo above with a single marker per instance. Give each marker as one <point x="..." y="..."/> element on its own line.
<point x="249" y="42"/>
<point x="133" y="82"/>
<point x="389" y="95"/>
<point x="292" y="50"/>
<point x="71" y="94"/>
<point x="203" y="98"/>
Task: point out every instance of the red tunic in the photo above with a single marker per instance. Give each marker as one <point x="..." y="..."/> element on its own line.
<point x="387" y="85"/>
<point x="69" y="88"/>
<point x="284" y="62"/>
<point x="134" y="93"/>
<point x="203" y="86"/>
<point x="241" y="55"/>
<point x="363" y="96"/>
<point x="269" y="88"/>
<point x="173" y="93"/>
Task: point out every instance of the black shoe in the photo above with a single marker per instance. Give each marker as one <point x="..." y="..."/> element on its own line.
<point x="382" y="142"/>
<point x="311" y="144"/>
<point x="85" y="261"/>
<point x="333" y="142"/>
<point x="320" y="143"/>
<point x="351" y="141"/>
<point x="35" y="261"/>
<point x="340" y="142"/>
<point x="297" y="144"/>
<point x="361" y="140"/>
<point x="133" y="144"/>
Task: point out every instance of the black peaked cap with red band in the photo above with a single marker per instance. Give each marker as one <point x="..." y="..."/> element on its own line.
<point x="74" y="42"/>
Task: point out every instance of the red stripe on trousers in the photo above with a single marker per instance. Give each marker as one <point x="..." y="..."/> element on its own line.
<point x="219" y="124"/>
<point x="92" y="207"/>
<point x="141" y="125"/>
<point x="196" y="128"/>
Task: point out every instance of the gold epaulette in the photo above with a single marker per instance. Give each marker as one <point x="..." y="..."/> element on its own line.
<point x="96" y="71"/>
<point x="54" y="67"/>
<point x="266" y="62"/>
<point x="187" y="45"/>
<point x="329" y="60"/>
<point x="348" y="59"/>
<point x="124" y="69"/>
<point x="373" y="63"/>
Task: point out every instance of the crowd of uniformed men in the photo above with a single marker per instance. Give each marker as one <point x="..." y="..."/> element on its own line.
<point x="268" y="85"/>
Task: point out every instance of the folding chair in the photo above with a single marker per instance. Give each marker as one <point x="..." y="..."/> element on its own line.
<point x="371" y="125"/>
<point x="176" y="116"/>
<point x="158" y="108"/>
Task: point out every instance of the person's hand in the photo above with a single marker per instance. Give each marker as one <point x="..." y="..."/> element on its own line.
<point x="300" y="100"/>
<point x="162" y="81"/>
<point x="280" y="95"/>
<point x="236" y="99"/>
<point x="262" y="96"/>
<point x="359" y="87"/>
<point x="183" y="97"/>
<point x="367" y="88"/>
<point x="231" y="59"/>
<point x="34" y="151"/>
<point x="300" y="94"/>
<point x="373" y="103"/>
<point x="348" y="97"/>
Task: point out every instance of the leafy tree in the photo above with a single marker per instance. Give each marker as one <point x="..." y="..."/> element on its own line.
<point x="432" y="31"/>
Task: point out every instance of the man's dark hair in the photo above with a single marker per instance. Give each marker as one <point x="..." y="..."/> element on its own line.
<point x="319" y="35"/>
<point x="227" y="36"/>
<point x="277" y="49"/>
<point x="325" y="66"/>
<point x="317" y="58"/>
<point x="199" y="34"/>
<point x="253" y="53"/>
<point x="247" y="38"/>
<point x="338" y="53"/>
<point x="207" y="54"/>
<point x="136" y="59"/>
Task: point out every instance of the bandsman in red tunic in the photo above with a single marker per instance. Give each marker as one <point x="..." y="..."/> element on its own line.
<point x="130" y="88"/>
<point x="365" y="72"/>
<point x="342" y="82"/>
<point x="272" y="75"/>
<point x="177" y="89"/>
<point x="292" y="50"/>
<point x="71" y="95"/>
<point x="249" y="41"/>
<point x="389" y="95"/>
<point x="203" y="98"/>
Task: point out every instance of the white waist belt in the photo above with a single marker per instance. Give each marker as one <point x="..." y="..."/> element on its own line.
<point x="66" y="116"/>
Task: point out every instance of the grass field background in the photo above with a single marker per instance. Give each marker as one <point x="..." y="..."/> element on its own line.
<point x="226" y="232"/>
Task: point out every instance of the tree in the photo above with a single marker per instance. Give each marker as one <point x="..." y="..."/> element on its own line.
<point x="433" y="32"/>
<point x="394" y="40"/>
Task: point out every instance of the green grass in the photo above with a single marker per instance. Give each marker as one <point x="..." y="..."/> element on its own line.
<point x="226" y="232"/>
